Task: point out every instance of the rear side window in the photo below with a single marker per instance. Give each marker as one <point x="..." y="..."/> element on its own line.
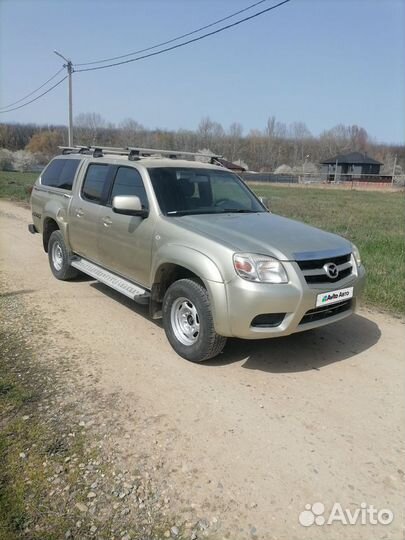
<point x="60" y="173"/>
<point x="128" y="181"/>
<point x="94" y="182"/>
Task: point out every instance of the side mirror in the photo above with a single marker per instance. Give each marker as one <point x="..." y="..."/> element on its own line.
<point x="265" y="202"/>
<point x="129" y="205"/>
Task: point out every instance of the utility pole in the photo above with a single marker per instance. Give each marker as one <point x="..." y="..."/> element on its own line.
<point x="69" y="67"/>
<point x="336" y="170"/>
<point x="393" y="170"/>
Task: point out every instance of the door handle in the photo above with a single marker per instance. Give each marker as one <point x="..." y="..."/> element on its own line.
<point x="79" y="212"/>
<point x="107" y="221"/>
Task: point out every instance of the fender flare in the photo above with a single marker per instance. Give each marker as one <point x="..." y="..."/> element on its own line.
<point x="189" y="258"/>
<point x="54" y="211"/>
<point x="202" y="266"/>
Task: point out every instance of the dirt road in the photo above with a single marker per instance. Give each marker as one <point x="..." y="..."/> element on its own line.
<point x="251" y="438"/>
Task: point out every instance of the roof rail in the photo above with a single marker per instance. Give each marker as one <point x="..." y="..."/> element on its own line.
<point x="75" y="149"/>
<point x="134" y="152"/>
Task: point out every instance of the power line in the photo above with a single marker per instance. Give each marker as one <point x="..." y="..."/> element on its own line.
<point x="167" y="49"/>
<point x="186" y="42"/>
<point x="174" y="39"/>
<point x="38" y="97"/>
<point x="33" y="92"/>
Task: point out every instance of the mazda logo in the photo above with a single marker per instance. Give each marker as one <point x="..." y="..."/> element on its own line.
<point x="331" y="270"/>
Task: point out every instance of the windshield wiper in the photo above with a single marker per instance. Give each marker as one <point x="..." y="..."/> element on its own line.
<point x="193" y="212"/>
<point x="189" y="212"/>
<point x="237" y="210"/>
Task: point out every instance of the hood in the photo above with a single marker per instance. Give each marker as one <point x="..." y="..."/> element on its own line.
<point x="265" y="233"/>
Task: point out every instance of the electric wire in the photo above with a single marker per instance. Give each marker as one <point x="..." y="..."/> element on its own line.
<point x="167" y="49"/>
<point x="36" y="98"/>
<point x="173" y="39"/>
<point x="33" y="92"/>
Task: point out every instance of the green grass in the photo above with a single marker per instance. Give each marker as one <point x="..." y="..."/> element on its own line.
<point x="15" y="185"/>
<point x="23" y="483"/>
<point x="374" y="221"/>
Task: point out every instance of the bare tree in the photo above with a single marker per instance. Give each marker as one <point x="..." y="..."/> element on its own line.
<point x="130" y="132"/>
<point x="88" y="126"/>
<point x="210" y="133"/>
<point x="235" y="142"/>
<point x="266" y="149"/>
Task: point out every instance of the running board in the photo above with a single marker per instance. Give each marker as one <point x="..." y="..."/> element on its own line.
<point x="118" y="283"/>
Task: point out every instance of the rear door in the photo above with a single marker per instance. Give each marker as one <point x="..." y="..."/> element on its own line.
<point x="56" y="181"/>
<point x="125" y="241"/>
<point x="85" y="209"/>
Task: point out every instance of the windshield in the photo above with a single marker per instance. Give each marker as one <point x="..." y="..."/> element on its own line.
<point x="185" y="191"/>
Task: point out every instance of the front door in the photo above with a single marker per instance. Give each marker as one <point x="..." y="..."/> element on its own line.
<point x="125" y="242"/>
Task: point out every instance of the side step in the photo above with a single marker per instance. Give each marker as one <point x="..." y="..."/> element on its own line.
<point x="135" y="292"/>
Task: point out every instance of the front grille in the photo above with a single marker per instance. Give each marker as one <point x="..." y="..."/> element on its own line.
<point x="322" y="278"/>
<point x="314" y="272"/>
<point x="323" y="312"/>
<point x="313" y="264"/>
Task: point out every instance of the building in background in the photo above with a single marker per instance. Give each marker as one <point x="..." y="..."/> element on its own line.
<point x="352" y="166"/>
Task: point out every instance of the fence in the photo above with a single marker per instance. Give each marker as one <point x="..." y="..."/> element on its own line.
<point x="344" y="180"/>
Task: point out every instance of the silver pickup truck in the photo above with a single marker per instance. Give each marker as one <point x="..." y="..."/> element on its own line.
<point x="192" y="241"/>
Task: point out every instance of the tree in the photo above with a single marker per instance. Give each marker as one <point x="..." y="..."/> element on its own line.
<point x="23" y="160"/>
<point x="210" y="133"/>
<point x="88" y="127"/>
<point x="358" y="138"/>
<point x="6" y="159"/>
<point x="234" y="141"/>
<point x="130" y="132"/>
<point x="45" y="143"/>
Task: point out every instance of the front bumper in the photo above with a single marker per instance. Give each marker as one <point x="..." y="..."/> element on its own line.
<point x="246" y="300"/>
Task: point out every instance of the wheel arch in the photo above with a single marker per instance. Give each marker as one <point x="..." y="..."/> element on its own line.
<point x="189" y="263"/>
<point x="49" y="226"/>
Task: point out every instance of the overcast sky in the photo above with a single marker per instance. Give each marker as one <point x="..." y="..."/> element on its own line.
<point x="322" y="62"/>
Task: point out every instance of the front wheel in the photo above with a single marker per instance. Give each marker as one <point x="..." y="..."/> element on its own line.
<point x="188" y="323"/>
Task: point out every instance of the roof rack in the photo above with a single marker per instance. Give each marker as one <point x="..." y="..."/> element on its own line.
<point x="135" y="153"/>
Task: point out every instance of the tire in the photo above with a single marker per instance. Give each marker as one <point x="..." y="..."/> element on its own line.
<point x="59" y="258"/>
<point x="188" y="323"/>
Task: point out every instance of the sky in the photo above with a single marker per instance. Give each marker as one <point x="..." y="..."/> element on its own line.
<point x="322" y="62"/>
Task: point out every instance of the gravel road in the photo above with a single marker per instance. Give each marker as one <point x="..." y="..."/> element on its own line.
<point x="251" y="438"/>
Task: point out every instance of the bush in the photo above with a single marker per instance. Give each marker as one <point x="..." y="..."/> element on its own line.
<point x="23" y="161"/>
<point x="6" y="159"/>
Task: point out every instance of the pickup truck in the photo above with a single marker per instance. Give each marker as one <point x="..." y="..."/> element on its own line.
<point x="194" y="243"/>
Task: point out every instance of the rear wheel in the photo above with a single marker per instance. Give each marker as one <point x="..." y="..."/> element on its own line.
<point x="188" y="322"/>
<point x="59" y="258"/>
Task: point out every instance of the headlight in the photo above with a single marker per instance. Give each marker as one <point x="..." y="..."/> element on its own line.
<point x="356" y="255"/>
<point x="259" y="268"/>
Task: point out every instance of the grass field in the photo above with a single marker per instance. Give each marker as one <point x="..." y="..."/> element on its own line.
<point x="374" y="221"/>
<point x="14" y="185"/>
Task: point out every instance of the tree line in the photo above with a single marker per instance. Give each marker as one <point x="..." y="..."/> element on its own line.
<point x="275" y="145"/>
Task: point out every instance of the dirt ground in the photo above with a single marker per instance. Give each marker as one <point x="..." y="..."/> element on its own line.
<point x="247" y="440"/>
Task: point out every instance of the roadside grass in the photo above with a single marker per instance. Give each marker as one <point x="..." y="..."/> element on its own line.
<point x="374" y="221"/>
<point x="16" y="186"/>
<point x="47" y="461"/>
<point x="31" y="449"/>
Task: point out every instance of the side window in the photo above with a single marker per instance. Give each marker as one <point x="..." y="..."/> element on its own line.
<point x="128" y="181"/>
<point x="60" y="173"/>
<point x="94" y="181"/>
